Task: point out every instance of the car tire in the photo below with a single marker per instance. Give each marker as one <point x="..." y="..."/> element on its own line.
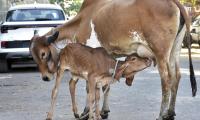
<point x="4" y="66"/>
<point x="199" y="43"/>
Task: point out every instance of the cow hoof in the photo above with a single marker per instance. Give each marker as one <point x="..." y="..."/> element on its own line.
<point x="76" y="115"/>
<point x="169" y="118"/>
<point x="104" y="114"/>
<point x="171" y="113"/>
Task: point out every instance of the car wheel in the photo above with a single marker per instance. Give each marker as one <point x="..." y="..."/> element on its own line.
<point x="199" y="43"/>
<point x="4" y="66"/>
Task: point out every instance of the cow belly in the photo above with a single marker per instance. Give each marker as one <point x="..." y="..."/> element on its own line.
<point x="117" y="30"/>
<point x="132" y="42"/>
<point x="130" y="47"/>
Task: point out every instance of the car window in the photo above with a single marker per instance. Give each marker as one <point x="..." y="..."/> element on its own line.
<point x="34" y="15"/>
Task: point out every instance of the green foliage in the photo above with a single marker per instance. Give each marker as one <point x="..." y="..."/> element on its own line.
<point x="193" y="2"/>
<point x="73" y="7"/>
<point x="70" y="7"/>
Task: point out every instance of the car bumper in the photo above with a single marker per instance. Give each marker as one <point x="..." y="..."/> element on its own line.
<point x="17" y="57"/>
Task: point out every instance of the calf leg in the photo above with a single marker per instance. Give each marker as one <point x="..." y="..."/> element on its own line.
<point x="54" y="93"/>
<point x="97" y="98"/>
<point x="85" y="115"/>
<point x="105" y="108"/>
<point x="72" y="88"/>
<point x="91" y="86"/>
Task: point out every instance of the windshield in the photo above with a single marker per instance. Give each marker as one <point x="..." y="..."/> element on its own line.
<point x="35" y="15"/>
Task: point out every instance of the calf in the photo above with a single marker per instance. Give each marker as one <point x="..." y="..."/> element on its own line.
<point x="92" y="64"/>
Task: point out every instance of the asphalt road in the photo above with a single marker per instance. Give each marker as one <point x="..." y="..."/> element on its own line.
<point x="24" y="96"/>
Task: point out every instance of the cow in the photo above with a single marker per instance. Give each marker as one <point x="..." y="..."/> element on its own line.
<point x="149" y="28"/>
<point x="92" y="64"/>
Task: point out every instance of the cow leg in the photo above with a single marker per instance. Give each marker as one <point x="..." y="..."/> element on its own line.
<point x="55" y="93"/>
<point x="97" y="98"/>
<point x="72" y="89"/>
<point x="105" y="108"/>
<point x="163" y="67"/>
<point x="174" y="60"/>
<point x="174" y="89"/>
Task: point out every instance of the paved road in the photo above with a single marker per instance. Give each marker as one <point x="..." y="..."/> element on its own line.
<point x="24" y="96"/>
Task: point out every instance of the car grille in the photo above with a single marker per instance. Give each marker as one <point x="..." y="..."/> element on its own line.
<point x="16" y="44"/>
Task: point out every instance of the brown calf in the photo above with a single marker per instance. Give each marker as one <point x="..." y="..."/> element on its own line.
<point x="92" y="64"/>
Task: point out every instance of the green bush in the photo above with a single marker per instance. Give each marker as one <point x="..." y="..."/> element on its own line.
<point x="70" y="7"/>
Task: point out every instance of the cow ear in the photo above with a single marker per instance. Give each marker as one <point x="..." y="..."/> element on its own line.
<point x="52" y="38"/>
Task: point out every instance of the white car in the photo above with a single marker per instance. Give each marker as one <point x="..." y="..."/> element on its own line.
<point x="194" y="32"/>
<point x="18" y="29"/>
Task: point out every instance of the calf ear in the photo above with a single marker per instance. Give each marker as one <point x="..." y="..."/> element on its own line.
<point x="52" y="38"/>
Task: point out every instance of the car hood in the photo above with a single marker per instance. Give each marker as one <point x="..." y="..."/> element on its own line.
<point x="32" y="23"/>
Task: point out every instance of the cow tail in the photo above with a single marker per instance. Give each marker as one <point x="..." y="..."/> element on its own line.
<point x="192" y="75"/>
<point x="187" y="23"/>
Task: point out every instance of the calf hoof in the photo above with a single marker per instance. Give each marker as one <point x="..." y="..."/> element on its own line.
<point x="76" y="115"/>
<point x="85" y="114"/>
<point x="99" y="118"/>
<point x="104" y="114"/>
<point x="84" y="117"/>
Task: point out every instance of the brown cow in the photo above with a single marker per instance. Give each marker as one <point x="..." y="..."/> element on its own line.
<point x="92" y="64"/>
<point x="150" y="28"/>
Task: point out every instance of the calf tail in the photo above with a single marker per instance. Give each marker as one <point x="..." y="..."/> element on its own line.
<point x="187" y="23"/>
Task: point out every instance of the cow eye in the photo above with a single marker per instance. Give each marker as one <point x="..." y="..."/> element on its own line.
<point x="133" y="58"/>
<point x="43" y="55"/>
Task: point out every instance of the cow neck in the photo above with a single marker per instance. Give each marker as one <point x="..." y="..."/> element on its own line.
<point x="68" y="31"/>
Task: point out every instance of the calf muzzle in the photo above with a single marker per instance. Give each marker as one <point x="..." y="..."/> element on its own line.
<point x="45" y="78"/>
